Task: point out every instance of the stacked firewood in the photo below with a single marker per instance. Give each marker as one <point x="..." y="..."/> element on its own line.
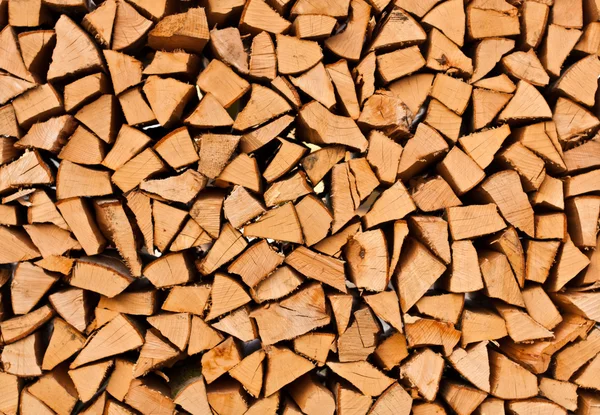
<point x="383" y="207"/>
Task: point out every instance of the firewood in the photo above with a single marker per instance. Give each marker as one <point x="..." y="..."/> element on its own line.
<point x="267" y="406"/>
<point x="29" y="284"/>
<point x="56" y="390"/>
<point x="568" y="263"/>
<point x="364" y="75"/>
<point x="500" y="83"/>
<point x="22" y="358"/>
<point x="520" y="384"/>
<point x="168" y="220"/>
<point x="540" y="257"/>
<point x="488" y="53"/>
<point x="443" y="54"/>
<point x="283" y="281"/>
<point x="72" y="304"/>
<point x="287" y="190"/>
<point x="155" y="353"/>
<point x="241" y="206"/>
<point x="258" y="16"/>
<point x="167" y="111"/>
<point x="145" y="396"/>
<point x="583" y="213"/>
<point x="173" y="32"/>
<point x="313" y="27"/>
<point x="385" y="306"/>
<point x="226" y="295"/>
<point x="316" y="83"/>
<point x="315" y="219"/>
<point x="423" y="371"/>
<point x="551" y="226"/>
<point x="529" y="405"/>
<point x="573" y="121"/>
<point x="187" y="299"/>
<point x="320" y="126"/>
<point x="585" y="378"/>
<point x="411" y="282"/>
<point x="389" y="69"/>
<point x="10" y="131"/>
<point x="581" y="183"/>
<point x="224" y="84"/>
<point x="83" y="148"/>
<point x="97" y="405"/>
<point x="263" y="61"/>
<point x="135" y="107"/>
<point x="526" y="66"/>
<point x="348" y="43"/>
<point x="238" y="324"/>
<point x="480" y="220"/>
<point x="499" y="278"/>
<point x="191" y="235"/>
<point x="385" y="111"/>
<point x="312" y="397"/>
<point x="536" y="356"/>
<point x="289" y="91"/>
<point x="527" y="103"/>
<point x="315" y="346"/>
<point x="542" y="139"/>
<point x="249" y="372"/>
<point x="29" y="404"/>
<point x="131" y="302"/>
<point x="140" y="167"/>
<point x="81" y="181"/>
<point x="114" y="275"/>
<point x="445" y="307"/>
<point x="355" y="372"/>
<point x="461" y="398"/>
<point x="520" y="326"/>
<point x="104" y="344"/>
<point x="280" y="223"/>
<point x="399" y="29"/>
<point x="358" y="341"/>
<point x="107" y="128"/>
<point x="487" y="105"/>
<point x="227" y="45"/>
<point x="88" y="379"/>
<point x="534" y="20"/>
<point x="574" y="356"/>
<point x="348" y="399"/>
<point x="173" y="63"/>
<point x="368" y="260"/>
<point x="279" y="358"/>
<point x="206" y="211"/>
<point x="562" y="393"/>
<point x="588" y="41"/>
<point x="480" y="325"/>
<point x="13" y="87"/>
<point x="182" y="188"/>
<point x="427" y="332"/>
<point x="202" y="336"/>
<point x="578" y="303"/>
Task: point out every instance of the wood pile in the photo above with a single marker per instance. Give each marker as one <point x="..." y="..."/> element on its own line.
<point x="383" y="207"/>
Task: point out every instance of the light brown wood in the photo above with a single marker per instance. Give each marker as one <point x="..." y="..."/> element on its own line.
<point x="284" y="319"/>
<point x="104" y="344"/>
<point x="319" y="126"/>
<point x="280" y="223"/>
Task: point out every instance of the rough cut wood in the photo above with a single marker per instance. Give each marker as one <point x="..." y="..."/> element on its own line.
<point x="276" y="206"/>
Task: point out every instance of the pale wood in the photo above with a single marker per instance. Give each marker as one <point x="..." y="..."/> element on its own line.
<point x="411" y="281"/>
<point x="104" y="344"/>
<point x="85" y="57"/>
<point x="263" y="61"/>
<point x="480" y="325"/>
<point x="283" y="367"/>
<point x="280" y="223"/>
<point x="428" y="332"/>
<point x="443" y="54"/>
<point x="222" y="82"/>
<point x="284" y="320"/>
<point x="258" y="16"/>
<point x="399" y="29"/>
<point x="424" y="371"/>
<point x="319" y="126"/>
